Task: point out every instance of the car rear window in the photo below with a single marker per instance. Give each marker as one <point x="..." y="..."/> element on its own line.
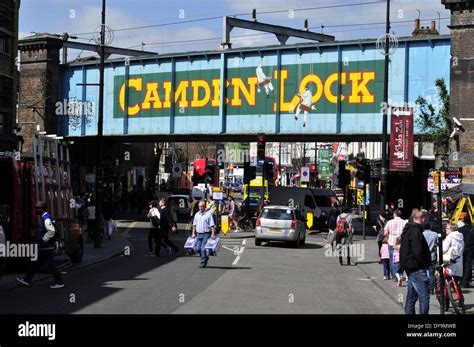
<point x="273" y="213"/>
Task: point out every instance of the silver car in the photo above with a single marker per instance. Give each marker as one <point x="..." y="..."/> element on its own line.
<point x="280" y="223"/>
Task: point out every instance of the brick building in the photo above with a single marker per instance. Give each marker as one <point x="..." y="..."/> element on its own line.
<point x="462" y="79"/>
<point x="8" y="73"/>
<point x="39" y="85"/>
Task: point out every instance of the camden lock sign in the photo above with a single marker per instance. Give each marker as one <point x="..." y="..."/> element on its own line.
<point x="252" y="90"/>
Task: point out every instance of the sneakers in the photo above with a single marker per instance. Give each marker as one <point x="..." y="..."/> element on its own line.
<point x="56" y="286"/>
<point x="22" y="281"/>
<point x="384" y="278"/>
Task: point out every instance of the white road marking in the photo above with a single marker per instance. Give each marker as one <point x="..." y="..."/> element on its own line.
<point x="244" y="242"/>
<point x="236" y="260"/>
<point x="125" y="234"/>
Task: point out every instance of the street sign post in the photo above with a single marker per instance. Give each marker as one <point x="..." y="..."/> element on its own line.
<point x="225" y="223"/>
<point x="304" y="174"/>
<point x="309" y="219"/>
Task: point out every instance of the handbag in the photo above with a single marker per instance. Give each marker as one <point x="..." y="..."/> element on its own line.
<point x="447" y="256"/>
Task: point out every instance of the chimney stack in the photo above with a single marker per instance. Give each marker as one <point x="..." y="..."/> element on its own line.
<point x="433" y="25"/>
<point x="417" y="24"/>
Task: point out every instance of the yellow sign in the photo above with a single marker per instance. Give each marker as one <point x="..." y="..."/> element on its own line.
<point x="436" y="179"/>
<point x="360" y="196"/>
<point x="309" y="219"/>
<point x="225" y="223"/>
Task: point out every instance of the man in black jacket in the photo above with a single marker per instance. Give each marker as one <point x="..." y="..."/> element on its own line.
<point x="468" y="233"/>
<point x="415" y="259"/>
<point x="166" y="223"/>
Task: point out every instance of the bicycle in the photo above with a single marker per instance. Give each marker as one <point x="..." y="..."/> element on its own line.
<point x="452" y="291"/>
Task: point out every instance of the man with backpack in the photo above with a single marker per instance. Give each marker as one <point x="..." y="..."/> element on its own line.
<point x="343" y="234"/>
<point x="46" y="237"/>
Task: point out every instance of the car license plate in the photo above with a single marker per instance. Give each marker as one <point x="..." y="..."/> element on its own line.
<point x="272" y="230"/>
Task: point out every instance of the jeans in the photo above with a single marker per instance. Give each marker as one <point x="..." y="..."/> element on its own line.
<point x="432" y="275"/>
<point x="386" y="267"/>
<point x="162" y="238"/>
<point x="201" y="240"/>
<point x="44" y="256"/>
<point x="418" y="288"/>
<point x="108" y="227"/>
<point x="393" y="267"/>
<point x="341" y="247"/>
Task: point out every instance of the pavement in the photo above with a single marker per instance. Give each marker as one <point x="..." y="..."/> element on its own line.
<point x="374" y="272"/>
<point x="110" y="248"/>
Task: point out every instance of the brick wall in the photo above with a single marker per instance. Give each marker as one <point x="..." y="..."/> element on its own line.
<point x="39" y="86"/>
<point x="462" y="74"/>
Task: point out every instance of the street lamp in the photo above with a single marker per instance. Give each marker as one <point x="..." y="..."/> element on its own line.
<point x="384" y="167"/>
<point x="100" y="138"/>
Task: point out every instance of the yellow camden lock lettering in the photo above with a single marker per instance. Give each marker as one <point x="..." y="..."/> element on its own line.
<point x="207" y="93"/>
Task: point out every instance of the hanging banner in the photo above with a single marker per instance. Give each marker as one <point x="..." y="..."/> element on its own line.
<point x="401" y="139"/>
<point x="324" y="160"/>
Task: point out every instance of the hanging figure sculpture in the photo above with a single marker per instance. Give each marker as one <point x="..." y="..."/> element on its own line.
<point x="263" y="80"/>
<point x="304" y="104"/>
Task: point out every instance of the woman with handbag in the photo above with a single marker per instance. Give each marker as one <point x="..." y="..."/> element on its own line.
<point x="453" y="248"/>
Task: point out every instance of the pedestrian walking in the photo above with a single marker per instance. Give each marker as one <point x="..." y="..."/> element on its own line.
<point x="203" y="229"/>
<point x="379" y="228"/>
<point x="385" y="257"/>
<point x="431" y="238"/>
<point x="453" y="248"/>
<point x="332" y="222"/>
<point x="343" y="234"/>
<point x="415" y="260"/>
<point x="393" y="229"/>
<point x="108" y="213"/>
<point x="465" y="228"/>
<point x="154" y="218"/>
<point x="46" y="237"/>
<point x="166" y="225"/>
<point x="91" y="221"/>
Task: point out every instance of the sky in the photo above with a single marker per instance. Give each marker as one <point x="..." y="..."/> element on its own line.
<point x="195" y="25"/>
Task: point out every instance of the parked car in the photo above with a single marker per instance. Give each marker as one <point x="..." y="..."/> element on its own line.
<point x="280" y="223"/>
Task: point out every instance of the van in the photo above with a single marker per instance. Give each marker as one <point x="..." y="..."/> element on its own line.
<point x="317" y="200"/>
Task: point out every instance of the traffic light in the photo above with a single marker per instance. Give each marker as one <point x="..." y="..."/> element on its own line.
<point x="210" y="172"/>
<point x="220" y="165"/>
<point x="249" y="172"/>
<point x="344" y="176"/>
<point x="360" y="165"/>
<point x="261" y="147"/>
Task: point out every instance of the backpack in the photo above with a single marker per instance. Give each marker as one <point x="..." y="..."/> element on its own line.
<point x="341" y="227"/>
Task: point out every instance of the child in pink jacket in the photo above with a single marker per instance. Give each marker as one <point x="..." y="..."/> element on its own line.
<point x="385" y="257"/>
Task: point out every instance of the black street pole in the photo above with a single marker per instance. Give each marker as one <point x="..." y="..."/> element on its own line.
<point x="100" y="140"/>
<point x="279" y="163"/>
<point x="440" y="245"/>
<point x="384" y="172"/>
